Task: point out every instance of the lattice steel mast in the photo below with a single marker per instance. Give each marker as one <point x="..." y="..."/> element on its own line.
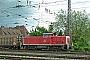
<point x="69" y="21"/>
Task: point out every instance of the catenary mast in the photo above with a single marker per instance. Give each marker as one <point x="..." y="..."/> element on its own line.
<point x="69" y="21"/>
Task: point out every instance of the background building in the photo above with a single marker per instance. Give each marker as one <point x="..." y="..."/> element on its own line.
<point x="14" y="30"/>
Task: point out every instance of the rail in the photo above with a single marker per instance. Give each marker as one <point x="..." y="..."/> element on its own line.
<point x="40" y="56"/>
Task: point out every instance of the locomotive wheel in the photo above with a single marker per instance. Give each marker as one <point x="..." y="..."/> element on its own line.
<point x="65" y="46"/>
<point x="18" y="47"/>
<point x="10" y="47"/>
<point x="14" y="47"/>
<point x="26" y="47"/>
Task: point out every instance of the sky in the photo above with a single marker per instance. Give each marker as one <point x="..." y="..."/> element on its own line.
<point x="11" y="16"/>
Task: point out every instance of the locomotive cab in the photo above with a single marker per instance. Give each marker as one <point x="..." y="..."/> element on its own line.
<point x="47" y="35"/>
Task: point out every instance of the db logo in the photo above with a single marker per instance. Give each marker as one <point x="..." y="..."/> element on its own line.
<point x="44" y="40"/>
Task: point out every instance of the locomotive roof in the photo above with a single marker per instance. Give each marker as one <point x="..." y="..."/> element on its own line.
<point x="47" y="33"/>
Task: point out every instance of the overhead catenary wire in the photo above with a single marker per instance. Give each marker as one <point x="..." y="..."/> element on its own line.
<point x="81" y="7"/>
<point x="26" y="17"/>
<point x="65" y="4"/>
<point x="77" y="8"/>
<point x="48" y="4"/>
<point x="56" y="2"/>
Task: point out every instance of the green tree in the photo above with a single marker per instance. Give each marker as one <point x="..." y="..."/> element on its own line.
<point x="60" y="23"/>
<point x="50" y="29"/>
<point x="60" y="33"/>
<point x="80" y="27"/>
<point x="38" y="31"/>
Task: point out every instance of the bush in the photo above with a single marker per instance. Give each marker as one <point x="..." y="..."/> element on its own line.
<point x="87" y="48"/>
<point x="81" y="48"/>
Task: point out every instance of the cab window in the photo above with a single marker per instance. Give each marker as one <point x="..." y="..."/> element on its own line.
<point x="46" y="36"/>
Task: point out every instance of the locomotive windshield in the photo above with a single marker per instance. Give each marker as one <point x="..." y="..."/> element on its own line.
<point x="47" y="35"/>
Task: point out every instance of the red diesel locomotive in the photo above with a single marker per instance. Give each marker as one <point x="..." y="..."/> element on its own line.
<point x="47" y="41"/>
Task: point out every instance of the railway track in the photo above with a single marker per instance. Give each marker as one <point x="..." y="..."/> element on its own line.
<point x="41" y="56"/>
<point x="46" y="51"/>
<point x="45" y="55"/>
